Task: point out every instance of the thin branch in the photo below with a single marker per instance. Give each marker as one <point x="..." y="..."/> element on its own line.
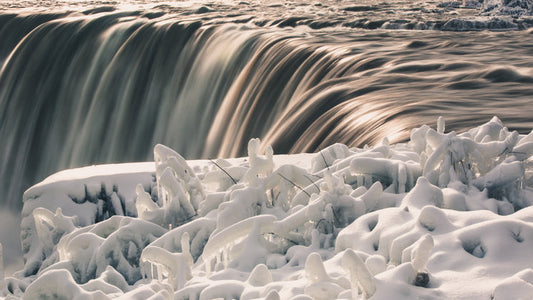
<point x="313" y="183"/>
<point x="286" y="238"/>
<point x="323" y="158"/>
<point x="505" y="151"/>
<point x="214" y="162"/>
<point x="464" y="169"/>
<point x="186" y="220"/>
<point x="294" y="184"/>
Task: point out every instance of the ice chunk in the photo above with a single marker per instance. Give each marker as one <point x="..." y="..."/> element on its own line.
<point x="244" y="260"/>
<point x="440" y="125"/>
<point x="501" y="175"/>
<point x="491" y="129"/>
<point x="163" y="155"/>
<point x="223" y="177"/>
<point x="102" y="286"/>
<point x="260" y="276"/>
<point x="231" y="235"/>
<point x="116" y="242"/>
<point x="314" y="269"/>
<point x="424" y="193"/>
<point x="400" y="175"/>
<point x="372" y="196"/>
<point x="291" y="183"/>
<point x="50" y="228"/>
<point x="321" y="285"/>
<point x="421" y="253"/>
<point x="243" y="203"/>
<point x="260" y="166"/>
<point x="452" y="199"/>
<point x="178" y="186"/>
<point x="144" y="204"/>
<point x="2" y="272"/>
<point x="59" y="284"/>
<point x="198" y="230"/>
<point x="399" y="244"/>
<point x="434" y="220"/>
<point x="418" y="139"/>
<point x="523" y="151"/>
<point x="328" y="156"/>
<point x="175" y="266"/>
<point x="174" y="196"/>
<point x="114" y="278"/>
<point x="359" y="274"/>
<point x="80" y="249"/>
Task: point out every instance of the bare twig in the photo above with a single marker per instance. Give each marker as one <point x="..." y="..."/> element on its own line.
<point x="311" y="180"/>
<point x="323" y="158"/>
<point x="232" y="179"/>
<point x="294" y="184"/>
<point x="186" y="220"/>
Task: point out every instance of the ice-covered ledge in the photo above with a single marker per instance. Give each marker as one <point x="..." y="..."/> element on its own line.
<point x="90" y="186"/>
<point x="94" y="193"/>
<point x="445" y="215"/>
<point x="84" y="186"/>
<point x="87" y="195"/>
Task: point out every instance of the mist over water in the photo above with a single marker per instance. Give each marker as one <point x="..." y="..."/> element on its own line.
<point x="106" y="85"/>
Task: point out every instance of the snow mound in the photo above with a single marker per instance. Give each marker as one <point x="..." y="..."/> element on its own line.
<point x="444" y="215"/>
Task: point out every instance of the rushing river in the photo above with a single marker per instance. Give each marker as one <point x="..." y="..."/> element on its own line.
<point x="103" y="82"/>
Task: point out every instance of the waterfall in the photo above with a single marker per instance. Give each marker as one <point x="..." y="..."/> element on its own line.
<point x="106" y="86"/>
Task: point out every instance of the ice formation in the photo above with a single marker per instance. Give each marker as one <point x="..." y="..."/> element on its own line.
<point x="445" y="215"/>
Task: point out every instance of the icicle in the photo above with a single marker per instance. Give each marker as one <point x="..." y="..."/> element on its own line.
<point x="358" y="273"/>
<point x="1" y="266"/>
<point x="144" y="202"/>
<point x="159" y="270"/>
<point x="176" y="265"/>
<point x="440" y="125"/>
<point x="186" y="248"/>
<point x="420" y="255"/>
<point x="223" y="240"/>
<point x="402" y="178"/>
<point x="117" y="204"/>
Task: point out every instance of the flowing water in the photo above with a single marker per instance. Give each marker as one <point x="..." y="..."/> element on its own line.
<point x="99" y="82"/>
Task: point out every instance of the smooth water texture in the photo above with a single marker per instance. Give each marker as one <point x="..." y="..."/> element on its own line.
<point x="106" y="85"/>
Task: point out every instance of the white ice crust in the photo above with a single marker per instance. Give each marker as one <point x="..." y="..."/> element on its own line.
<point x="443" y="216"/>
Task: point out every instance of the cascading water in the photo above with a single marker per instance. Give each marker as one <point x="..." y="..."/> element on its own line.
<point x="106" y="86"/>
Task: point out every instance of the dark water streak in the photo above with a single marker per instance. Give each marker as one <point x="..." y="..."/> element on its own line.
<point x="105" y="87"/>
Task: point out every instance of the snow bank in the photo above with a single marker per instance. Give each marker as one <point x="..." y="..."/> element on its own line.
<point x="444" y="215"/>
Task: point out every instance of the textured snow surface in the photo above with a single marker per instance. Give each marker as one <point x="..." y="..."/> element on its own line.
<point x="444" y="215"/>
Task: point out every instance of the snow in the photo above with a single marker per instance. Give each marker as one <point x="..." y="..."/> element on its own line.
<point x="445" y="215"/>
